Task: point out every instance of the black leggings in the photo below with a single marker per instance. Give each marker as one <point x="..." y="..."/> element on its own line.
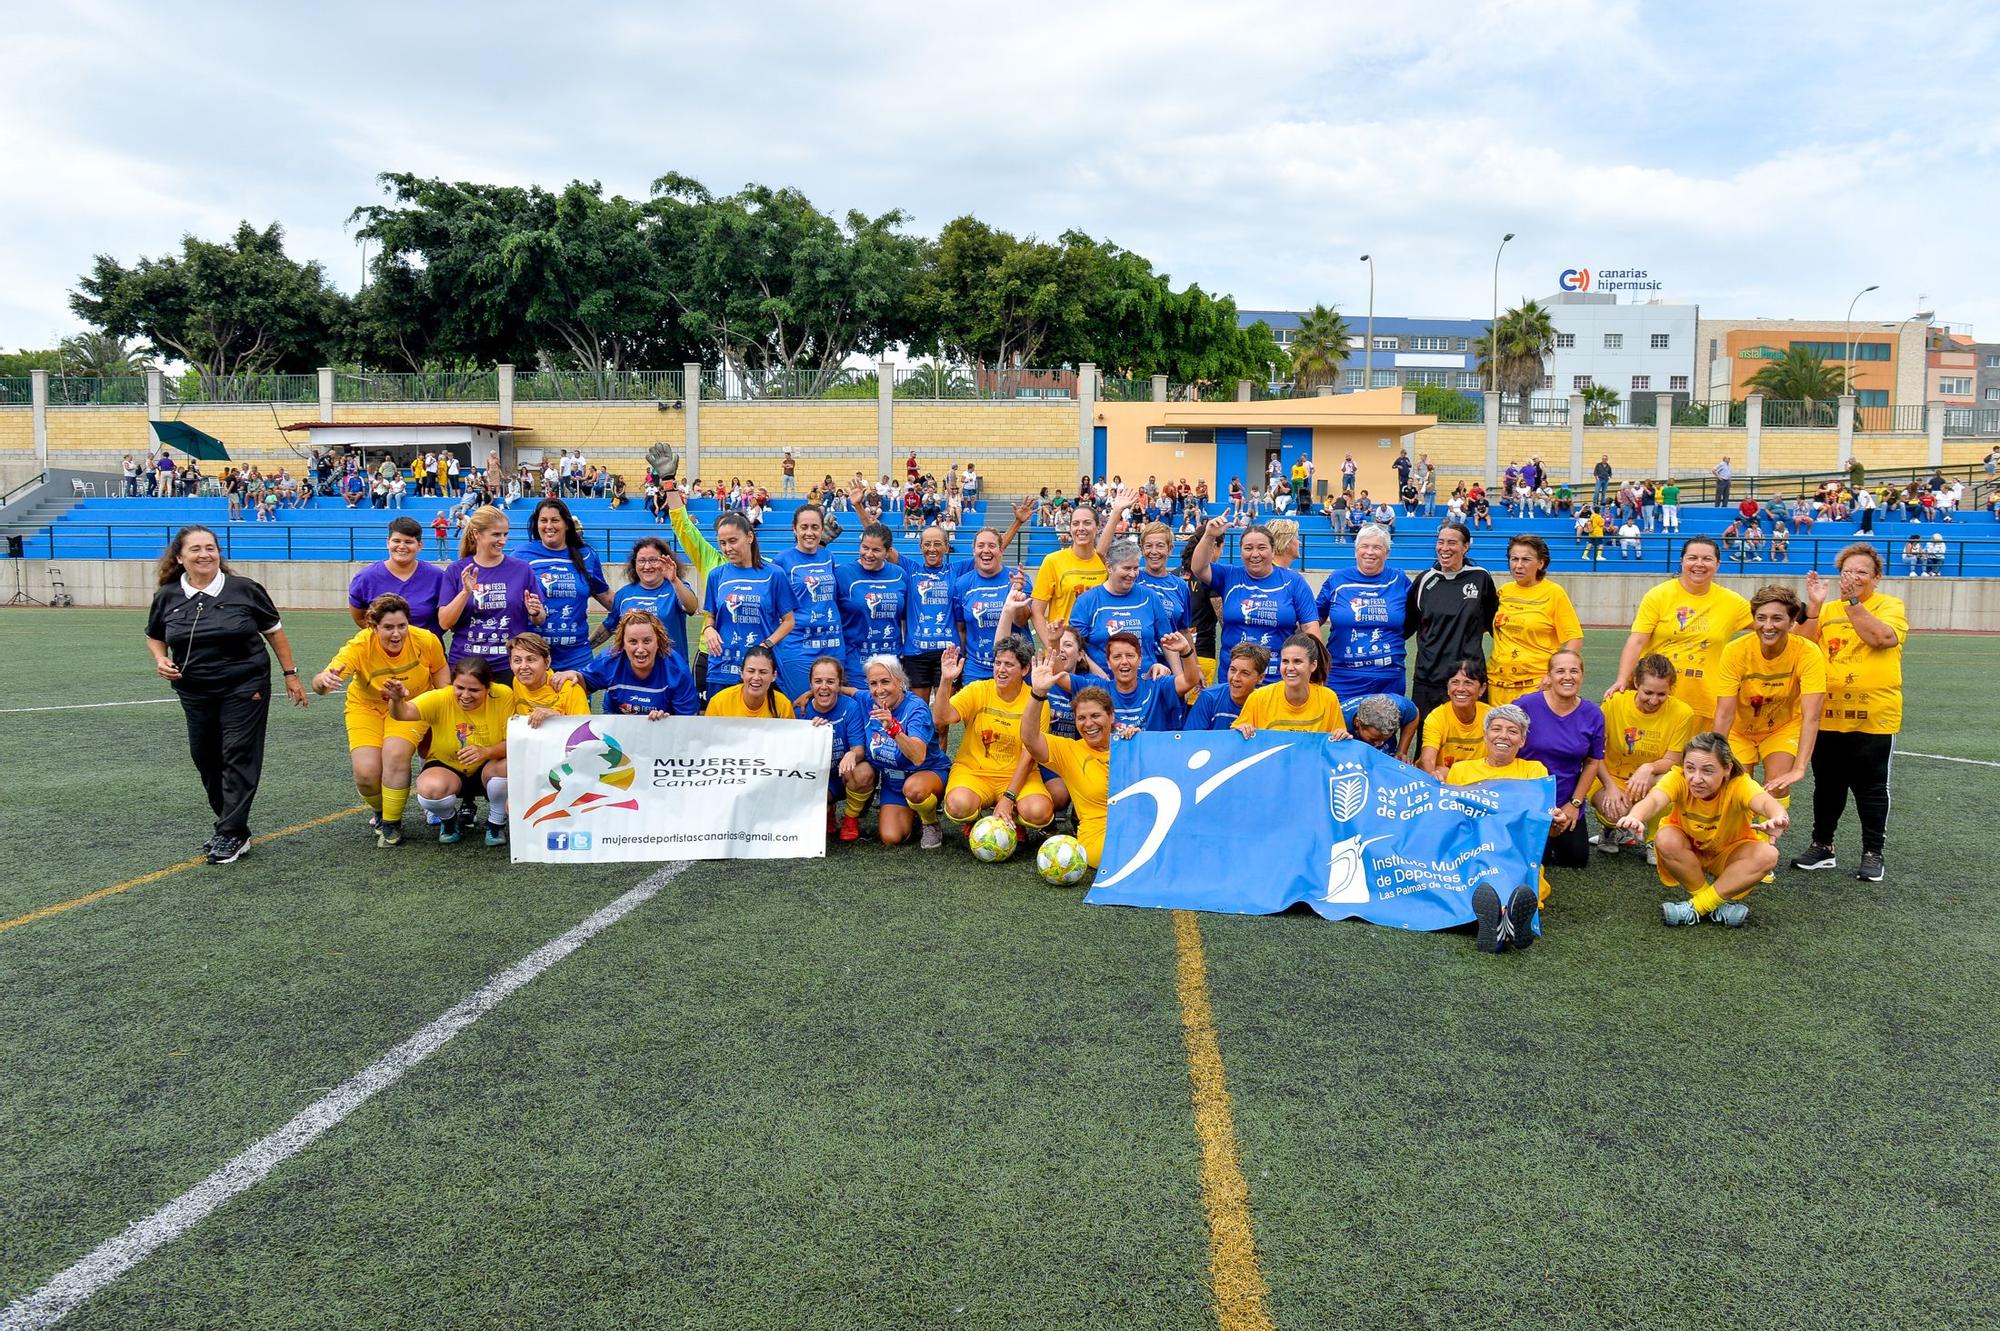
<point x="1844" y="761"/>
<point x="1571" y="849"/>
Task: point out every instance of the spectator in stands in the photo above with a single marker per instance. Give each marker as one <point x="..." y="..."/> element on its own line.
<point x="1565" y="504"/>
<point x="789" y="466"/>
<point x="1402" y="467"/>
<point x="1732" y="540"/>
<point x="1753" y="541"/>
<point x="1781" y="543"/>
<point x="1670" y="507"/>
<point x="1347" y="473"/>
<point x="1338" y="515"/>
<point x="1602" y="473"/>
<point x="1913" y="555"/>
<point x="1934" y="555"/>
<point x="1722" y="475"/>
<point x="163" y="471"/>
<point x="1409" y="495"/>
<point x="1481" y="507"/>
<point x="1628" y="538"/>
<point x="1427" y="483"/>
<point x="1864" y="511"/>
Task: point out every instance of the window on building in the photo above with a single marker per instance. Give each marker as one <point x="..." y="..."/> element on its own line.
<point x="1164" y="434"/>
<point x="1838" y="350"/>
<point x="1564" y="341"/>
<point x="1358" y="342"/>
<point x="1285" y="336"/>
<point x="1441" y="378"/>
<point x="1430" y="344"/>
<point x="1579" y="382"/>
<point x="1350" y="378"/>
<point x="1469" y="379"/>
<point x="1871" y="397"/>
<point x="1661" y="341"/>
<point x="1993" y="362"/>
<point x="1259" y="440"/>
<point x="1461" y="344"/>
<point x="1677" y="383"/>
<point x="1614" y="341"/>
<point x="1385" y="379"/>
<point x="1993" y="395"/>
<point x="1641" y="381"/>
<point x="1547" y="383"/>
<point x="1385" y="344"/>
<point x="1955" y="386"/>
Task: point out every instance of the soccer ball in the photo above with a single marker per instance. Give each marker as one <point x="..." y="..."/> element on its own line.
<point x="992" y="839"/>
<point x="1062" y="861"/>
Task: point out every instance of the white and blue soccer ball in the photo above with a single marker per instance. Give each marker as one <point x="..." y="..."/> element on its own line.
<point x="1062" y="861"/>
<point x="992" y="839"/>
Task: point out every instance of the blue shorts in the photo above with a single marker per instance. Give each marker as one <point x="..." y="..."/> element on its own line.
<point x="889" y="788"/>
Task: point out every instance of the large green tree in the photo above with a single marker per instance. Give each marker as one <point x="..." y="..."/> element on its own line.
<point x="17" y="364"/>
<point x="1515" y="353"/>
<point x="100" y="356"/>
<point x="1320" y="348"/>
<point x="1800" y="376"/>
<point x="996" y="299"/>
<point x="241" y="306"/>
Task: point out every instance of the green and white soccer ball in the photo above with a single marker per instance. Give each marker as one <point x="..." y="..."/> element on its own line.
<point x="992" y="839"/>
<point x="1062" y="861"/>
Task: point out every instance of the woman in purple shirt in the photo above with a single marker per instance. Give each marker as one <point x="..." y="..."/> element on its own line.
<point x="497" y="596"/>
<point x="1566" y="735"/>
<point x="404" y="573"/>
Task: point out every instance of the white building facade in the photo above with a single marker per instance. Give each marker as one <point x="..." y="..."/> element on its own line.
<point x="1634" y="350"/>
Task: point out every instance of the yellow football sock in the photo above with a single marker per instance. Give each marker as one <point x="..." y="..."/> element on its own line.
<point x="373" y="801"/>
<point x="926" y="810"/>
<point x="857" y="800"/>
<point x="1705" y="900"/>
<point x="393" y="801"/>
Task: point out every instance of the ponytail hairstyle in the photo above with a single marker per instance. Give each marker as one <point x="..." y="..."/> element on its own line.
<point x="475" y="524"/>
<point x="1655" y="666"/>
<point x="770" y="694"/>
<point x="742" y="524"/>
<point x="1314" y="648"/>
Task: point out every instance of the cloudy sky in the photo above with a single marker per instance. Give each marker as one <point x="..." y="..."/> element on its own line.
<point x="1763" y="160"/>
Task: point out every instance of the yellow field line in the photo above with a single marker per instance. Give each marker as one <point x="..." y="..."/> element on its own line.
<point x="1239" y="1288"/>
<point x="156" y="875"/>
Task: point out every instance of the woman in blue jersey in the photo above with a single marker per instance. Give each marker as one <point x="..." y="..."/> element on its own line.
<point x="1147" y="702"/>
<point x="1119" y="605"/>
<point x="1362" y="608"/>
<point x="928" y="628"/>
<point x="749" y="603"/>
<point x="872" y="592"/>
<point x="1261" y="602"/>
<point x="815" y="609"/>
<point x="570" y="575"/>
<point x="827" y="702"/>
<point x="1217" y="706"/>
<point x="1156" y="547"/>
<point x="900" y="754"/>
<point x="642" y="677"/>
<point x="654" y="581"/>
<point x="978" y="594"/>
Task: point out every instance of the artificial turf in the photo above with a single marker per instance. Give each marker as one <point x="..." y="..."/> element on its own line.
<point x="894" y="1089"/>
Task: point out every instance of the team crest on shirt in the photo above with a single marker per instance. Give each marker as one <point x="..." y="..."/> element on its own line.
<point x="1683" y="614"/>
<point x="1468" y="591"/>
<point x="1631" y="738"/>
<point x="1756" y="702"/>
<point x="813" y="582"/>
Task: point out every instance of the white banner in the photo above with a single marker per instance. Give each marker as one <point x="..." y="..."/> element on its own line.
<point x="596" y="789"/>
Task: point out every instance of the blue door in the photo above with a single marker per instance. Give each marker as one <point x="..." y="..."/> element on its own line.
<point x="1098" y="449"/>
<point x="1232" y="462"/>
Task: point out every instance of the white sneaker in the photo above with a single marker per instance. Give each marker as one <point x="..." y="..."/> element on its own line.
<point x="932" y="837"/>
<point x="1652" y="855"/>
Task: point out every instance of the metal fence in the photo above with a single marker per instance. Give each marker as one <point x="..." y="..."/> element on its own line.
<point x="16" y="391"/>
<point x="437" y="386"/>
<point x="1541" y="410"/>
<point x="1133" y="389"/>
<point x="83" y="391"/>
<point x="1983" y="421"/>
<point x="597" y="386"/>
<point x="199" y="389"/>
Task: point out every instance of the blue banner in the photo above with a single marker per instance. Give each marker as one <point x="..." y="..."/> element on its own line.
<point x="1212" y="821"/>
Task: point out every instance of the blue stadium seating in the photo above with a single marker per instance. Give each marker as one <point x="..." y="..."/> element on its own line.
<point x="120" y="528"/>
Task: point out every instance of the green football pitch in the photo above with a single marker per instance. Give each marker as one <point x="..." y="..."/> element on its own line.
<point x="895" y="1089"/>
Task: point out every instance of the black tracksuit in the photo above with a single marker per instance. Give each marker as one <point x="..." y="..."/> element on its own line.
<point x="217" y="642"/>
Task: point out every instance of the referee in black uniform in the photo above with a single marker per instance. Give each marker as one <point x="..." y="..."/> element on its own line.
<point x="207" y="632"/>
<point x="1450" y="612"/>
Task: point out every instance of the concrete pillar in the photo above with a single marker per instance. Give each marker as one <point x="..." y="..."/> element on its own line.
<point x="504" y="376"/>
<point x="691" y="441"/>
<point x="1663" y="411"/>
<point x="1086" y="414"/>
<point x="885" y="418"/>
<point x="1576" y="471"/>
<point x="1159" y="389"/>
<point x="1846" y="421"/>
<point x="156" y="395"/>
<point x="1409" y="404"/>
<point x="1323" y="390"/>
<point x="1753" y="432"/>
<point x="38" y="399"/>
<point x="1242" y="390"/>
<point x="1492" y="414"/>
<point x="326" y="392"/>
<point x="1934" y="425"/>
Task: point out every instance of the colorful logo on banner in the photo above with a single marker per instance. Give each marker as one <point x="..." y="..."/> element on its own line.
<point x="1215" y="822"/>
<point x="595" y="774"/>
<point x="1575" y="279"/>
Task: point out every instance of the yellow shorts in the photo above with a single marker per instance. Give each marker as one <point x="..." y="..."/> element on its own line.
<point x="989" y="788"/>
<point x="368" y="723"/>
<point x="1712" y="863"/>
<point x="1750" y="751"/>
<point x="1497" y="693"/>
<point x="1207" y="669"/>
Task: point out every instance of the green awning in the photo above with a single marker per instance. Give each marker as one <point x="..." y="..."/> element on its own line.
<point x="190" y="441"/>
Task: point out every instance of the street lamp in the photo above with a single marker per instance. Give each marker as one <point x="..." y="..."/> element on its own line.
<point x="1493" y="329"/>
<point x="1368" y="353"/>
<point x="1847" y="385"/>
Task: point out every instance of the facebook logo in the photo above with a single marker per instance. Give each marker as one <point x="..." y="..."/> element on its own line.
<point x="569" y="841"/>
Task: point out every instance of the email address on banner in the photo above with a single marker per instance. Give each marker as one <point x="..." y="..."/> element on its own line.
<point x="684" y="838"/>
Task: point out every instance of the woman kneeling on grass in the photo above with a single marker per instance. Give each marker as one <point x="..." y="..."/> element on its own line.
<point x="900" y="748"/>
<point x="380" y="748"/>
<point x="538" y="694"/>
<point x="757" y="695"/>
<point x="990" y="769"/>
<point x="1711" y="830"/>
<point x="1512" y="922"/>
<point x="1084" y="763"/>
<point x="468" y="732"/>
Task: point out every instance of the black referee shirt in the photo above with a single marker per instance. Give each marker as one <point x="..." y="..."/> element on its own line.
<point x="1450" y="615"/>
<point x="216" y="636"/>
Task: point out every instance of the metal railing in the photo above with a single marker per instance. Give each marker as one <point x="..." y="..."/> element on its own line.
<point x="1807" y="415"/>
<point x="200" y="389"/>
<point x="598" y="386"/>
<point x="1541" y="410"/>
<point x="1907" y="419"/>
<point x="433" y="386"/>
<point x="1133" y="389"/>
<point x="1982" y="421"/>
<point x="89" y="391"/>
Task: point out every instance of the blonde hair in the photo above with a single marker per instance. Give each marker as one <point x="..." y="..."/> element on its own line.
<point x="1284" y="537"/>
<point x="477" y="523"/>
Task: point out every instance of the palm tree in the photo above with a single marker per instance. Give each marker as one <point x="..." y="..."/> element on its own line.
<point x="99" y="356"/>
<point x="1319" y="348"/>
<point x="1525" y="336"/>
<point x="1800" y="376"/>
<point x="1600" y="404"/>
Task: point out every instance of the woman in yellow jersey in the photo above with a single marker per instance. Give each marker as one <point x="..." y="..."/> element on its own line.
<point x="1504" y="731"/>
<point x="1770" y="688"/>
<point x="1535" y="621"/>
<point x="468" y="729"/>
<point x="1646" y="729"/>
<point x="991" y="769"/>
<point x="1083" y="763"/>
<point x="1711" y="843"/>
<point x="757" y="695"/>
<point x="378" y="747"/>
<point x="1300" y="699"/>
<point x="538" y="694"/>
<point x="1456" y="729"/>
<point x="1689" y="621"/>
<point x="1861" y="629"/>
<point x="1065" y="574"/>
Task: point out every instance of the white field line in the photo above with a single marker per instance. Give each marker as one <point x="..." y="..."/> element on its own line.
<point x="113" y="1258"/>
<point x="85" y="706"/>
<point x="1945" y="758"/>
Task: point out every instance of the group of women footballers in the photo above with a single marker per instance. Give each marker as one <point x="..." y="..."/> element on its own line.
<point x="893" y="653"/>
